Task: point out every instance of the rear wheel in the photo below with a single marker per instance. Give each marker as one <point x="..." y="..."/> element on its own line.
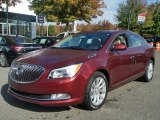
<point x="149" y="71"/>
<point x="96" y="92"/>
<point x="3" y="60"/>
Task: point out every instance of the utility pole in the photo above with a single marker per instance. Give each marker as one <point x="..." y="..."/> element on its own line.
<point x="7" y="16"/>
<point x="157" y="23"/>
<point x="129" y="15"/>
<point x="129" y="19"/>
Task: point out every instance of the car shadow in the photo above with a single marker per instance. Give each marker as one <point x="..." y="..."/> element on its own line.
<point x="28" y="106"/>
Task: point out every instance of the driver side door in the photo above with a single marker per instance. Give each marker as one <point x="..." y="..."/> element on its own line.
<point x="121" y="62"/>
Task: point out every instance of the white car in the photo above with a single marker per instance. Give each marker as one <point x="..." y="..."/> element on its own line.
<point x="65" y="34"/>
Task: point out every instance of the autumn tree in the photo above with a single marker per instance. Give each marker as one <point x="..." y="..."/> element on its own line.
<point x="9" y="2"/>
<point x="127" y="14"/>
<point x="101" y="25"/>
<point x="67" y="11"/>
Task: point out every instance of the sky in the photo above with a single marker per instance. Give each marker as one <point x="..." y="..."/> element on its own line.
<point x="109" y="12"/>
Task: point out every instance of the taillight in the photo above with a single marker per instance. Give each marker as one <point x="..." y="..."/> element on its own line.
<point x="16" y="48"/>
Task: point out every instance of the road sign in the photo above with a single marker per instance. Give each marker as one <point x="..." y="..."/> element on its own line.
<point x="142" y="18"/>
<point x="40" y="18"/>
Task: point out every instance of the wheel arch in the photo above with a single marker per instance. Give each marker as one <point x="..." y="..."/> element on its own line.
<point x="105" y="72"/>
<point x="153" y="59"/>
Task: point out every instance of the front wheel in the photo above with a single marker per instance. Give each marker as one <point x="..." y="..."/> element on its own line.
<point x="96" y="91"/>
<point x="149" y="71"/>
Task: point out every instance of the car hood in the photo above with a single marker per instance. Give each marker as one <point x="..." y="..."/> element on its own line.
<point x="55" y="58"/>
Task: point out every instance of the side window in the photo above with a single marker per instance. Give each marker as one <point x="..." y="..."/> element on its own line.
<point x="136" y="40"/>
<point x="36" y="40"/>
<point x="43" y="41"/>
<point x="120" y="39"/>
<point x="48" y="41"/>
<point x="60" y="36"/>
<point x="19" y="40"/>
<point x="2" y="40"/>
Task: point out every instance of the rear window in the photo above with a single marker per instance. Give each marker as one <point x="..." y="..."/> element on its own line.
<point x="20" y="40"/>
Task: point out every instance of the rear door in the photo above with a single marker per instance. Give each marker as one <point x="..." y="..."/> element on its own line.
<point x="138" y="48"/>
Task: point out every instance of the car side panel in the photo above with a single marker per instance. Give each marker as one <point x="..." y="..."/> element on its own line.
<point x="139" y="59"/>
<point x="120" y="66"/>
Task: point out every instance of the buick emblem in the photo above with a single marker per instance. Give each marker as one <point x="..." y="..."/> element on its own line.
<point x="19" y="71"/>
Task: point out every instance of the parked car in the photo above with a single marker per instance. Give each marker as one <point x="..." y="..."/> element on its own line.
<point x="13" y="46"/>
<point x="152" y="39"/>
<point x="65" y="34"/>
<point x="45" y="41"/>
<point x="81" y="69"/>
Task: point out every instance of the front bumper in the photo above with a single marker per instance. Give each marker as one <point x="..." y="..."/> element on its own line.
<point x="43" y="102"/>
<point x="40" y="91"/>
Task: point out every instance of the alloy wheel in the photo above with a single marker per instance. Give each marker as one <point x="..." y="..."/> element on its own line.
<point x="150" y="71"/>
<point x="98" y="91"/>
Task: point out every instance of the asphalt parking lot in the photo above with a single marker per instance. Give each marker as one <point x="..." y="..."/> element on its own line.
<point x="133" y="101"/>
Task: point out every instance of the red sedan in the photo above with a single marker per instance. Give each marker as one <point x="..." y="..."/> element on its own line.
<point x="81" y="69"/>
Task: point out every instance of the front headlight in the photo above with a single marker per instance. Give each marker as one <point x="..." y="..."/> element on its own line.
<point x="65" y="72"/>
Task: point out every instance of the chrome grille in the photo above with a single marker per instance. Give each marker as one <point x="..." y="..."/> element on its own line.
<point x="25" y="73"/>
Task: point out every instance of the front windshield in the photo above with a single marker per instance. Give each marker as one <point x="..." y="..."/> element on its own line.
<point x="83" y="41"/>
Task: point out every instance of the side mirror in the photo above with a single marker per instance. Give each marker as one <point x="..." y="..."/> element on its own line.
<point x="119" y="47"/>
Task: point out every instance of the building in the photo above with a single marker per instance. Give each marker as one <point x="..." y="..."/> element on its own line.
<point x="18" y="24"/>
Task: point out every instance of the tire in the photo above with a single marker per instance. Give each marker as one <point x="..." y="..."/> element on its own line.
<point x="3" y="60"/>
<point x="149" y="72"/>
<point x="96" y="91"/>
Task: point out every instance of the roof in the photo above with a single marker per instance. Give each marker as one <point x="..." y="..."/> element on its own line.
<point x="108" y="31"/>
<point x="17" y="16"/>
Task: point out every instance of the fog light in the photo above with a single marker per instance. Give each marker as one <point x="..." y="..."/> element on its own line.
<point x="60" y="96"/>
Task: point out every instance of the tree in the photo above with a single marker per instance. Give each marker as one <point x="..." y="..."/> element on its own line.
<point x="156" y="20"/>
<point x="67" y="11"/>
<point x="127" y="14"/>
<point x="10" y="2"/>
<point x="101" y="25"/>
<point x="152" y="25"/>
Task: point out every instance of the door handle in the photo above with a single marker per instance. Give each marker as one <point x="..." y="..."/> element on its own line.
<point x="131" y="57"/>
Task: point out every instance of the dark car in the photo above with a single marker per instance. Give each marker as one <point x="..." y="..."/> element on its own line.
<point x="153" y="40"/>
<point x="81" y="69"/>
<point x="45" y="41"/>
<point x="14" y="46"/>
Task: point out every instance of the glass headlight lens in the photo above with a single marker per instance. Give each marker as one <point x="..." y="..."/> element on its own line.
<point x="65" y="72"/>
